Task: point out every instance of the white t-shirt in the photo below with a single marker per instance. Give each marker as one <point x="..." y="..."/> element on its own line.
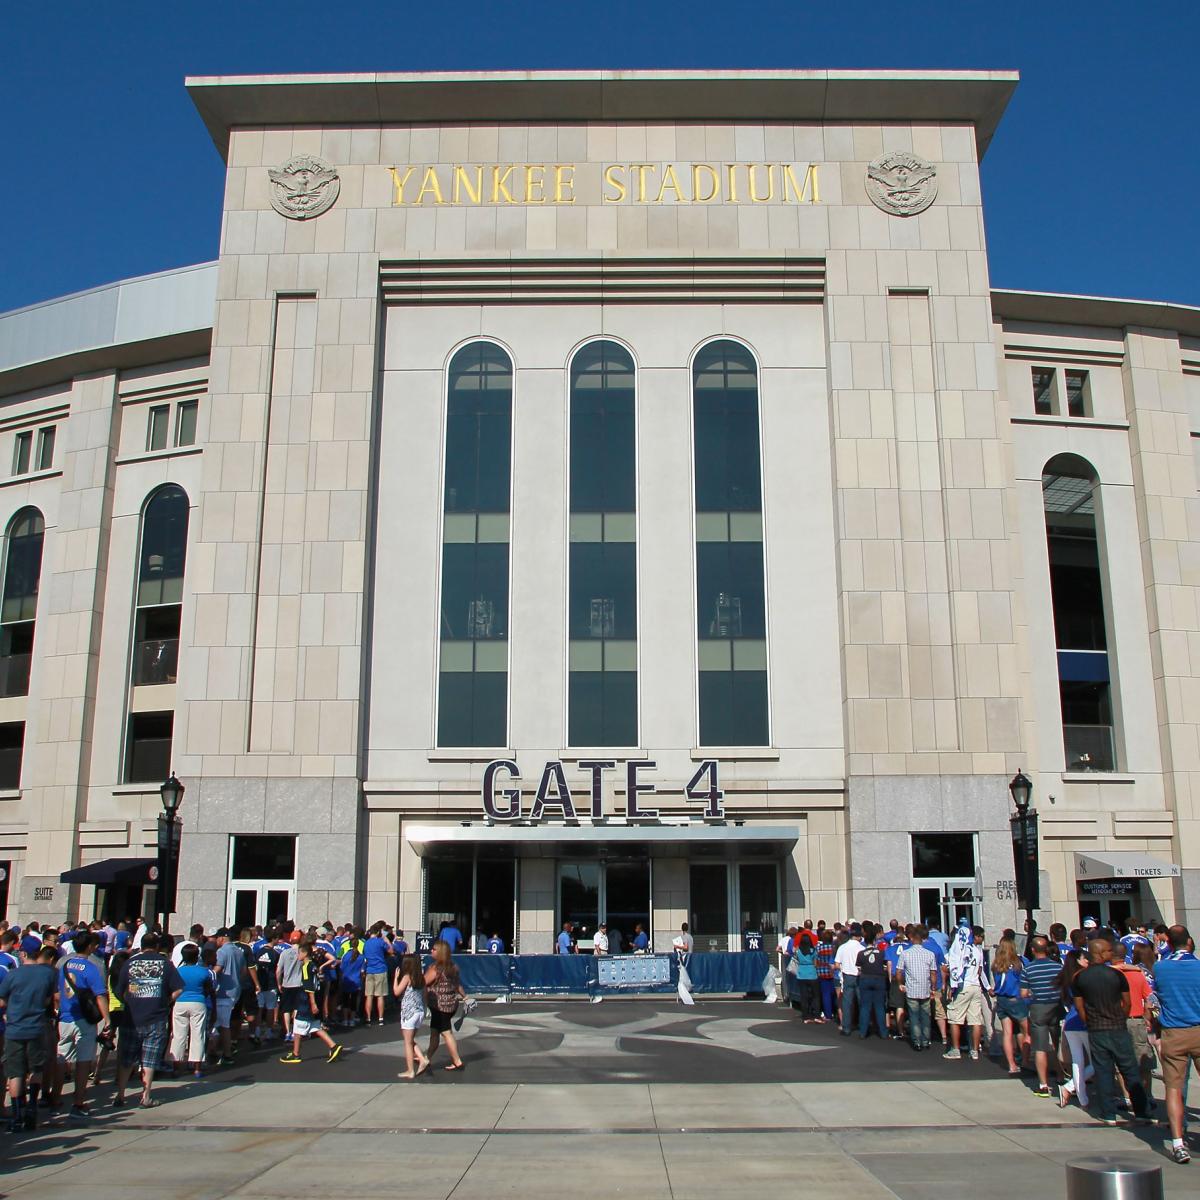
<point x="846" y="958"/>
<point x="139" y="933"/>
<point x="683" y="941"/>
<point x="177" y="952"/>
<point x="600" y="942"/>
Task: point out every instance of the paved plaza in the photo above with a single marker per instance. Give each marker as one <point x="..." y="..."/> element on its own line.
<point x="554" y="1093"/>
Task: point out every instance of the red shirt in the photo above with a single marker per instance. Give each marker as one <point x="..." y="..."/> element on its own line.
<point x="1139" y="987"/>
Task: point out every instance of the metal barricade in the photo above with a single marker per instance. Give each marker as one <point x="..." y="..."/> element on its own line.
<point x="1113" y="1177"/>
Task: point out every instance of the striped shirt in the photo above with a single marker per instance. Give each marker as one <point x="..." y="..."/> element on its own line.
<point x="918" y="964"/>
<point x="1039" y="978"/>
<point x="825" y="967"/>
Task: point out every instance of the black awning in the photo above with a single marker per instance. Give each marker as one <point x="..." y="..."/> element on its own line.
<point x="114" y="870"/>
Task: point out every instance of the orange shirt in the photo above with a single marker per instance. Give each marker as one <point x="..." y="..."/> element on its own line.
<point x="1139" y="987"/>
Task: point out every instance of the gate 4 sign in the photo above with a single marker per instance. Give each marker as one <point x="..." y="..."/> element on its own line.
<point x="503" y="799"/>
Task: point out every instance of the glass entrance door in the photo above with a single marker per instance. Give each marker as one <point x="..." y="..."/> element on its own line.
<point x="948" y="901"/>
<point x="579" y="900"/>
<point x="254" y="903"/>
<point x="708" y="884"/>
<point x="943" y="867"/>
<point x="615" y="892"/>
<point x="262" y="880"/>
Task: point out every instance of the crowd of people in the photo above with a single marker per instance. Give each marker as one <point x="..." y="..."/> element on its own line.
<point x="1099" y="1007"/>
<point x="72" y="999"/>
<point x="1092" y="1011"/>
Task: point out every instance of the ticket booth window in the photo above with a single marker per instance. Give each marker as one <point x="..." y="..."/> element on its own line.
<point x="476" y="897"/>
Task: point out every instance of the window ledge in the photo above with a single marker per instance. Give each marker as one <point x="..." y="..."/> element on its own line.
<point x="734" y="753"/>
<point x="31" y="477"/>
<point x="614" y="753"/>
<point x="10" y="793"/>
<point x="153" y="455"/>
<point x="467" y="754"/>
<point x="1097" y="777"/>
<point x="136" y="789"/>
<point x="1068" y="422"/>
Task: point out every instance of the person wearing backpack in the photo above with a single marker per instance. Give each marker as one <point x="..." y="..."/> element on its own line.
<point x="82" y="1009"/>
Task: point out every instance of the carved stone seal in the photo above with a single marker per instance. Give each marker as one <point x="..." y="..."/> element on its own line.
<point x="901" y="183"/>
<point x="305" y="186"/>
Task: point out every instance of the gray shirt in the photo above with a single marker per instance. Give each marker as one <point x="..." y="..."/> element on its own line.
<point x="289" y="967"/>
<point x="232" y="962"/>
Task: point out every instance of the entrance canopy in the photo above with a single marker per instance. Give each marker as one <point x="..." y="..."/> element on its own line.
<point x="1122" y="864"/>
<point x="114" y="870"/>
<point x="601" y="841"/>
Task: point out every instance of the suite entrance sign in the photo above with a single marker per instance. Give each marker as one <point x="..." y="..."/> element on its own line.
<point x="504" y="798"/>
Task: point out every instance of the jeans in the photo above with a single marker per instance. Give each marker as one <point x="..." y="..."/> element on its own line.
<point x="872" y="999"/>
<point x="849" y="993"/>
<point x="1112" y="1050"/>
<point x="919" y="1028"/>
<point x="828" y="997"/>
<point x="808" y="998"/>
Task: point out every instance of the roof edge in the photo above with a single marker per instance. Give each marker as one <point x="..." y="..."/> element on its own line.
<point x="1066" y="308"/>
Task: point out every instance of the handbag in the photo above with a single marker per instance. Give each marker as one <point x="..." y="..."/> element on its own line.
<point x="89" y="1008"/>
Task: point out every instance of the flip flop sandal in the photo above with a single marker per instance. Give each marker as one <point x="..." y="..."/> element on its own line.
<point x="151" y="1103"/>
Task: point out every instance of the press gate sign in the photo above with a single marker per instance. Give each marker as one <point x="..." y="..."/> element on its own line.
<point x="504" y="799"/>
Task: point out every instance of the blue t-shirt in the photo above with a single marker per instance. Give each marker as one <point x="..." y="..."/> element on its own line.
<point x="85" y="973"/>
<point x="28" y="991"/>
<point x="1131" y="941"/>
<point x="8" y="961"/>
<point x="564" y="942"/>
<point x="495" y="945"/>
<point x="891" y="935"/>
<point x="893" y="951"/>
<point x="939" y="939"/>
<point x="352" y="969"/>
<point x="197" y="983"/>
<point x="122" y="940"/>
<point x="1008" y="983"/>
<point x="453" y="937"/>
<point x="1177" y="984"/>
<point x="375" y="951"/>
<point x="400" y="946"/>
<point x="642" y="941"/>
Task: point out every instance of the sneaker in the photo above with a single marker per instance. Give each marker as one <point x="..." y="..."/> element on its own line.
<point x="225" y="1062"/>
<point x="333" y="1054"/>
<point x="1108" y="1120"/>
<point x="79" y="1113"/>
<point x="952" y="1054"/>
<point x="974" y="1055"/>
<point x="30" y="1120"/>
<point x="1180" y="1155"/>
<point x="290" y="1058"/>
<point x="1042" y="1093"/>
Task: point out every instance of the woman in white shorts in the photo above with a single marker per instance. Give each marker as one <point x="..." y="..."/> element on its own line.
<point x="409" y="989"/>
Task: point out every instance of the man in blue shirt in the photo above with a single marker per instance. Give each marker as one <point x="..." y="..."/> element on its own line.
<point x="641" y="939"/>
<point x="495" y="944"/>
<point x="936" y="936"/>
<point x="399" y="945"/>
<point x="76" y="1034"/>
<point x="565" y="941"/>
<point x="376" y="952"/>
<point x="28" y="997"/>
<point x="452" y="936"/>
<point x="1134" y="936"/>
<point x="1177" y="984"/>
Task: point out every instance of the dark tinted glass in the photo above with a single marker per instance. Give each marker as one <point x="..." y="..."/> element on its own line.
<point x="474" y="590"/>
<point x="264" y="857"/>
<point x="603" y="590"/>
<point x="758" y="884"/>
<point x="472" y="708"/>
<point x="603" y="708"/>
<point x="164" y="547"/>
<point x="149" y="757"/>
<point x="733" y="708"/>
<point x="1076" y="393"/>
<point x="23" y="566"/>
<point x="479" y="430"/>
<point x="12" y="740"/>
<point x="602" y="431"/>
<point x="728" y="476"/>
<point x="729" y="590"/>
<point x="1043" y="391"/>
<point x="943" y="855"/>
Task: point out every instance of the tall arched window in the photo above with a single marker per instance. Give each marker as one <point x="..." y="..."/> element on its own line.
<point x="158" y="609"/>
<point x="1080" y="628"/>
<point x="18" y="609"/>
<point x="473" y="671"/>
<point x="730" y="580"/>
<point x="602" y="617"/>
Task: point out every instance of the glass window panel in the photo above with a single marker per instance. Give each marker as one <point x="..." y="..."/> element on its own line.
<point x="185" y="422"/>
<point x="164" y="547"/>
<point x="709" y="887"/>
<point x="21" y="452"/>
<point x="579" y="898"/>
<point x="45" y="454"/>
<point x="716" y="708"/>
<point x="448" y="890"/>
<point x="603" y="590"/>
<point x="158" y="421"/>
<point x="620" y="726"/>
<point x="749" y="656"/>
<point x="716" y="656"/>
<point x="474" y="590"/>
<point x="493" y="527"/>
<point x="585" y="708"/>
<point x="745" y="527"/>
<point x="459" y="527"/>
<point x="458" y="656"/>
<point x="479" y="430"/>
<point x="728" y="473"/>
<point x="472" y="708"/>
<point x="149" y="756"/>
<point x="586" y="656"/>
<point x="1043" y="391"/>
<point x="627" y="897"/>
<point x="603" y="452"/>
<point x="620" y="656"/>
<point x="258" y="856"/>
<point x="758" y="884"/>
<point x="712" y="527"/>
<point x="12" y="742"/>
<point x="730" y="590"/>
<point x="751" y="718"/>
<point x="491" y="656"/>
<point x="620" y="527"/>
<point x="1077" y="393"/>
<point x="587" y="527"/>
<point x="943" y="855"/>
<point x="23" y="566"/>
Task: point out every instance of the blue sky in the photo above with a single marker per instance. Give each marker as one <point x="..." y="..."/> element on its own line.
<point x="1091" y="184"/>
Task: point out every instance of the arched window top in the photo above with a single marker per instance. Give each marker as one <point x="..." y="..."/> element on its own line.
<point x="22" y="565"/>
<point x="726" y="365"/>
<point x="164" y="547"/>
<point x="602" y="365"/>
<point x="1068" y="486"/>
<point x="479" y="430"/>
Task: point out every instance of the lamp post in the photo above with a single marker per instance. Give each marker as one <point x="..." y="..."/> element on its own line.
<point x="1025" y="847"/>
<point x="168" y="847"/>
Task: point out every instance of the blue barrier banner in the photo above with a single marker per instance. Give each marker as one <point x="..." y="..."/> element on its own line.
<point x="583" y="975"/>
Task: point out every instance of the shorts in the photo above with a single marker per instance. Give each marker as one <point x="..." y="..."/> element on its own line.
<point x="966" y="1008"/>
<point x="439" y="1022"/>
<point x="306" y="1026"/>
<point x="290" y="999"/>
<point x="1013" y="1007"/>
<point x="24" y="1056"/>
<point x="376" y="984"/>
<point x="1140" y="1036"/>
<point x="268" y="1000"/>
<point x="224" y="1014"/>
<point x="248" y="1003"/>
<point x="1044" y="1020"/>
<point x="895" y="995"/>
<point x="76" y="1041"/>
<point x="1177" y="1049"/>
<point x="414" y="1022"/>
<point x="350" y="995"/>
<point x="143" y="1045"/>
<point x="938" y="1005"/>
